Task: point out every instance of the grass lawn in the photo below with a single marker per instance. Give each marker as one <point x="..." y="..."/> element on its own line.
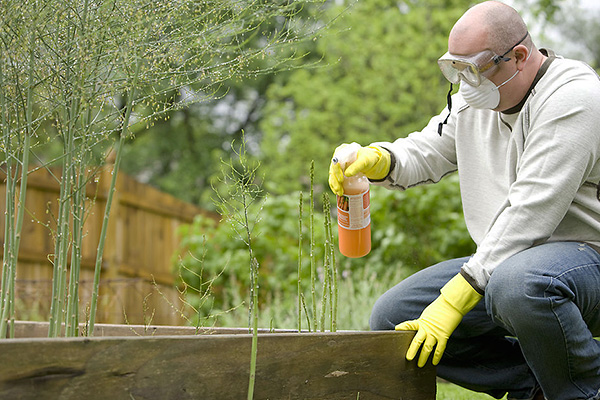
<point x="448" y="391"/>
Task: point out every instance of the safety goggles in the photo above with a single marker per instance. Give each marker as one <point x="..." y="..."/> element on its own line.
<point x="472" y="67"/>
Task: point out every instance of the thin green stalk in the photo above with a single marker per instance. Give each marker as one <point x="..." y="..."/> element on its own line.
<point x="326" y="300"/>
<point x="72" y="320"/>
<point x="8" y="311"/>
<point x="70" y="110"/>
<point x="243" y="192"/>
<point x="9" y="215"/>
<point x="325" y="291"/>
<point x="109" y="198"/>
<point x="79" y="190"/>
<point x="7" y="263"/>
<point x="11" y="304"/>
<point x="326" y="295"/>
<point x="313" y="266"/>
<point x="300" y="263"/>
<point x="254" y="350"/>
<point x="254" y="288"/>
<point x="329" y="238"/>
<point x="59" y="279"/>
<point x="9" y="307"/>
<point x="306" y="313"/>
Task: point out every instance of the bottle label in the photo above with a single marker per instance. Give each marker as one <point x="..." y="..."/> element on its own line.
<point x="354" y="211"/>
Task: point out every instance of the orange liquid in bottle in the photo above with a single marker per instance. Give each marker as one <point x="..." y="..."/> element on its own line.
<point x="355" y="242"/>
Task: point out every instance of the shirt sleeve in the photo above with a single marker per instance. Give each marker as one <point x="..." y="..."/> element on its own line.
<point x="422" y="157"/>
<point x="560" y="150"/>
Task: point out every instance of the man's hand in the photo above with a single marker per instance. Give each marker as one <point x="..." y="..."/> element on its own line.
<point x="440" y="319"/>
<point x="336" y="178"/>
<point x="373" y="161"/>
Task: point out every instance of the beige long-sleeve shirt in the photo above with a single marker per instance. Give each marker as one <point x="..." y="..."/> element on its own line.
<point x="526" y="178"/>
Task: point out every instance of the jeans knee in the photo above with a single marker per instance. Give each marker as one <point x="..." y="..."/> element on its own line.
<point x="512" y="296"/>
<point x="381" y="315"/>
<point x="401" y="303"/>
<point x="408" y="298"/>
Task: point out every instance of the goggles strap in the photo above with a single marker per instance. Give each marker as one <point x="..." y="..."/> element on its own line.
<point x="449" y="101"/>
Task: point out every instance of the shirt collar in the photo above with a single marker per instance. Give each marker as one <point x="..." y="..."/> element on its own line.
<point x="551" y="57"/>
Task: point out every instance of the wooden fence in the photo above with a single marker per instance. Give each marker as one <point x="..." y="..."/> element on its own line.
<point x="138" y="281"/>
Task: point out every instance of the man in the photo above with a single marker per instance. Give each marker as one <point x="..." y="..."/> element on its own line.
<point x="519" y="315"/>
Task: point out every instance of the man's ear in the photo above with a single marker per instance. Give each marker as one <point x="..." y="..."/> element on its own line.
<point x="522" y="54"/>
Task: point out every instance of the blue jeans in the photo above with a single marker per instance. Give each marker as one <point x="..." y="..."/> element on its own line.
<point x="535" y="328"/>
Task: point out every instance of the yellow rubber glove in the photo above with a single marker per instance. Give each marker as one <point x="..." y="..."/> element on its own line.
<point x="373" y="161"/>
<point x="336" y="178"/>
<point x="440" y="319"/>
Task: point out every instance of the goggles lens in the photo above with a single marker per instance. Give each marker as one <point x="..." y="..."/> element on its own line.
<point x="455" y="70"/>
<point x="469" y="68"/>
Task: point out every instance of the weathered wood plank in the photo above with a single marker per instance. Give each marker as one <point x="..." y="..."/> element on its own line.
<point x="341" y="365"/>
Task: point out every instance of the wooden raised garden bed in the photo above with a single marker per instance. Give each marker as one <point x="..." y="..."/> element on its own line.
<point x="162" y="363"/>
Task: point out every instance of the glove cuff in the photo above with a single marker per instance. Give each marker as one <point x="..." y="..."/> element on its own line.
<point x="460" y="294"/>
<point x="381" y="169"/>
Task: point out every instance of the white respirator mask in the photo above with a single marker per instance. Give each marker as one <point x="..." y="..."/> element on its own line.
<point x="485" y="96"/>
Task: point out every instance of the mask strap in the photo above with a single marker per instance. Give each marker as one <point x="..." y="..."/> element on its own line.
<point x="449" y="101"/>
<point x="508" y="80"/>
<point x="515" y="74"/>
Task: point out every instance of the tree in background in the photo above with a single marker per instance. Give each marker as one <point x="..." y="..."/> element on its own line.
<point x="181" y="154"/>
<point x="379" y="81"/>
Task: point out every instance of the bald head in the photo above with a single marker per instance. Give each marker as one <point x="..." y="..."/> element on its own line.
<point x="495" y="26"/>
<point x="489" y="25"/>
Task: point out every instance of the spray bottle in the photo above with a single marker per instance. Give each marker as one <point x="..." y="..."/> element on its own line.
<point x="353" y="207"/>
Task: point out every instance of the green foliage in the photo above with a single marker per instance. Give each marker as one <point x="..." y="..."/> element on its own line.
<point x="178" y="155"/>
<point x="185" y="147"/>
<point x="213" y="250"/>
<point x="410" y="230"/>
<point x="380" y="81"/>
<point x="419" y="227"/>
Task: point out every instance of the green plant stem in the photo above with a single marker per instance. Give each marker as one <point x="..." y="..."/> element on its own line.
<point x="70" y="110"/>
<point x="313" y="266"/>
<point x="63" y="234"/>
<point x="327" y="284"/>
<point x="9" y="215"/>
<point x="79" y="191"/>
<point x="325" y="291"/>
<point x="330" y="250"/>
<point x="306" y="313"/>
<point x="7" y="256"/>
<point x="254" y="350"/>
<point x="9" y="297"/>
<point x="72" y="321"/>
<point x="109" y="198"/>
<point x="300" y="263"/>
<point x="254" y="288"/>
